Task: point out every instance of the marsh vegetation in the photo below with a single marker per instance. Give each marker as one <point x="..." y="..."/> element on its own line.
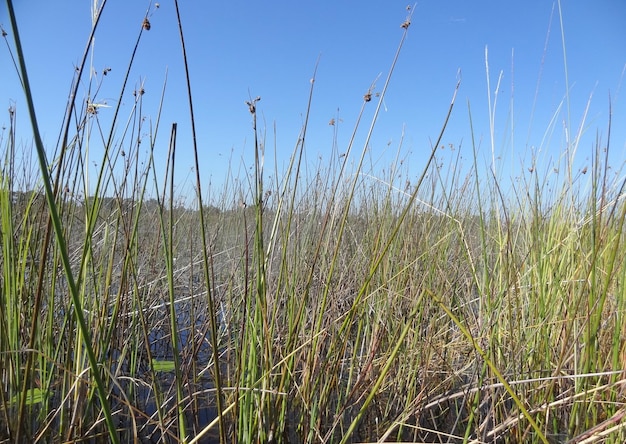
<point x="321" y="306"/>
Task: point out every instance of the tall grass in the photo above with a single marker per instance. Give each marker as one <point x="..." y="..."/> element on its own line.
<point x="341" y="305"/>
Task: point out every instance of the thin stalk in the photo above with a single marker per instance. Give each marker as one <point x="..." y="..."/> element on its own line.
<point x="168" y="244"/>
<point x="321" y="309"/>
<point x="58" y="229"/>
<point x="205" y="250"/>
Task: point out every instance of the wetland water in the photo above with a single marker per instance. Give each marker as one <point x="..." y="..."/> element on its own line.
<point x="195" y="358"/>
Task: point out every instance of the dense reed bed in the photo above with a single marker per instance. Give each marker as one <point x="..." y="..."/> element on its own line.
<point x="332" y="306"/>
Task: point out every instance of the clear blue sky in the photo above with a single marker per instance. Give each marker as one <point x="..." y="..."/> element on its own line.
<point x="269" y="49"/>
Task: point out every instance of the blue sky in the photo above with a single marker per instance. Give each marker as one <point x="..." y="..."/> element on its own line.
<point x="240" y="49"/>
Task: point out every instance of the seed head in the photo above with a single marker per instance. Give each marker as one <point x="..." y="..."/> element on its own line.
<point x="252" y="104"/>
